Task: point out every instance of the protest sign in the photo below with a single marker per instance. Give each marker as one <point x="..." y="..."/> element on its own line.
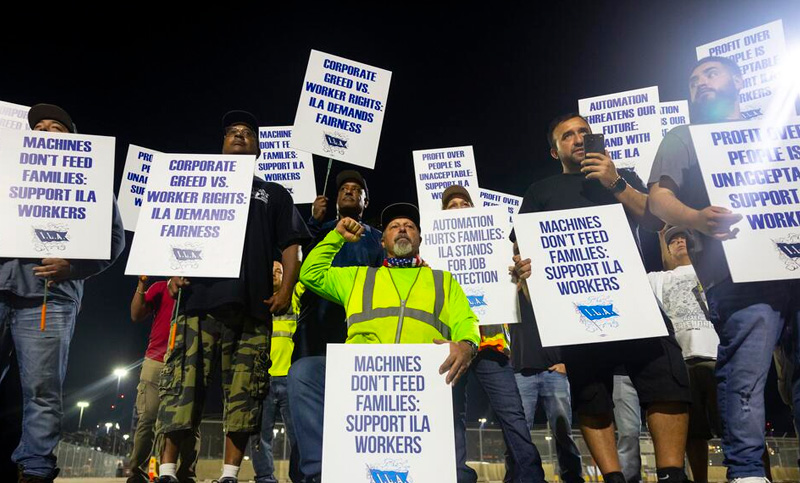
<point x="134" y="181"/>
<point x="436" y="169"/>
<point x="282" y="164"/>
<point x="587" y="282"/>
<point x="754" y="170"/>
<point x="758" y="53"/>
<point x="341" y="108"/>
<point x="674" y="114"/>
<point x="56" y="195"/>
<point x="388" y="414"/>
<point x="14" y="116"/>
<point x="194" y="215"/>
<point x="473" y="245"/>
<point x="631" y="124"/>
<point x="487" y="197"/>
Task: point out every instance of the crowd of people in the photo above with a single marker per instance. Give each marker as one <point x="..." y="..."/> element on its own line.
<point x="307" y="283"/>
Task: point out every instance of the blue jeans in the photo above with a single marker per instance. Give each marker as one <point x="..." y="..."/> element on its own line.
<point x="552" y="388"/>
<point x="494" y="373"/>
<point x="307" y="399"/>
<point x="277" y="401"/>
<point x="749" y="318"/>
<point x="628" y="419"/>
<point x="42" y="358"/>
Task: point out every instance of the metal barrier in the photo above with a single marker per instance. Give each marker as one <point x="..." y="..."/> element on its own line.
<point x="484" y="447"/>
<point x="84" y="461"/>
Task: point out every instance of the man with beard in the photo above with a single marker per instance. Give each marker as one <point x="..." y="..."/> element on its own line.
<point x="655" y="365"/>
<point x="402" y="302"/>
<point x="747" y="316"/>
<point x="321" y="322"/>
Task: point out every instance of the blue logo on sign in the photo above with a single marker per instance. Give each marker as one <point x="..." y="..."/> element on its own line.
<point x="335" y="142"/>
<point x="388" y="476"/>
<point x="476" y="301"/>
<point x="751" y="113"/>
<point x="791" y="250"/>
<point x="184" y="254"/>
<point x="45" y="236"/>
<point x="597" y="312"/>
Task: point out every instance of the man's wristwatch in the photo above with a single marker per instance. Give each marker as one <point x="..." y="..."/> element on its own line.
<point x="618" y="186"/>
<point x="473" y="347"/>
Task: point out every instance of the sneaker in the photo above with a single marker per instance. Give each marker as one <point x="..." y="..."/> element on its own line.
<point x="166" y="479"/>
<point x="23" y="478"/>
<point x="227" y="479"/>
<point x="750" y="479"/>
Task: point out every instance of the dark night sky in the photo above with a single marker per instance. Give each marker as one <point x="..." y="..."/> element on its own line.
<point x="490" y="77"/>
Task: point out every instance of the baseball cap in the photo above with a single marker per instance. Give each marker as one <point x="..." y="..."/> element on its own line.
<point x="675" y="230"/>
<point x="400" y="210"/>
<point x="354" y="176"/>
<point x="41" y="112"/>
<point x="455" y="190"/>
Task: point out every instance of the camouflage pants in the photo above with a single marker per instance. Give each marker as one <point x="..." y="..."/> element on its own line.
<point x="241" y="344"/>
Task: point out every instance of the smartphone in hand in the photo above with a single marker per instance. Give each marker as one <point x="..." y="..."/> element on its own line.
<point x="594" y="143"/>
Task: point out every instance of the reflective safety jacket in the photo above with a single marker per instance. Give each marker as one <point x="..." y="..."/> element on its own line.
<point x="283" y="327"/>
<point x="390" y="305"/>
<point x="495" y="337"/>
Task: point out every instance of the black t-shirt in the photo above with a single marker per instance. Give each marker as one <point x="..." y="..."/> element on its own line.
<point x="559" y="192"/>
<point x="273" y="223"/>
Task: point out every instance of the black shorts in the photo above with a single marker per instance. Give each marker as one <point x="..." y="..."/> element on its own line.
<point x="655" y="366"/>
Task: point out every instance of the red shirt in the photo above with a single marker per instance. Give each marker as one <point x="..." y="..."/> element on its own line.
<point x="158" y="297"/>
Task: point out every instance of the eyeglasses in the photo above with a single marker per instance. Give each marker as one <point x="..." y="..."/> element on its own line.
<point x="243" y="131"/>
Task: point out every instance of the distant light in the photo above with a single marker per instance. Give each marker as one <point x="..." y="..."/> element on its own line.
<point x="122" y="396"/>
<point x="281" y="430"/>
<point x="83" y="404"/>
<point x="548" y="438"/>
<point x="116" y="425"/>
<point x="482" y="420"/>
<point x="108" y="425"/>
<point x="120" y="372"/>
<point x="126" y="436"/>
<point x="247" y="458"/>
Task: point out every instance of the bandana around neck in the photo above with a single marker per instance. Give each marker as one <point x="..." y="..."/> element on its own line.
<point x="403" y="262"/>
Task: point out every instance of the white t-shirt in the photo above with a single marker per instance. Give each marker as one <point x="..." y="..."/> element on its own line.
<point x="677" y="294"/>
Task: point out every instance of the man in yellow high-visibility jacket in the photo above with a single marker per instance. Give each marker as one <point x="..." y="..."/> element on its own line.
<point x="402" y="302"/>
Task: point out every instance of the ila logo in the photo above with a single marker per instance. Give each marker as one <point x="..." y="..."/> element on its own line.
<point x="476" y="301"/>
<point x="46" y="236"/>
<point x="182" y="254"/>
<point x="186" y="256"/>
<point x="597" y="312"/>
<point x="50" y="238"/>
<point x="335" y="142"/>
<point x="388" y="476"/>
